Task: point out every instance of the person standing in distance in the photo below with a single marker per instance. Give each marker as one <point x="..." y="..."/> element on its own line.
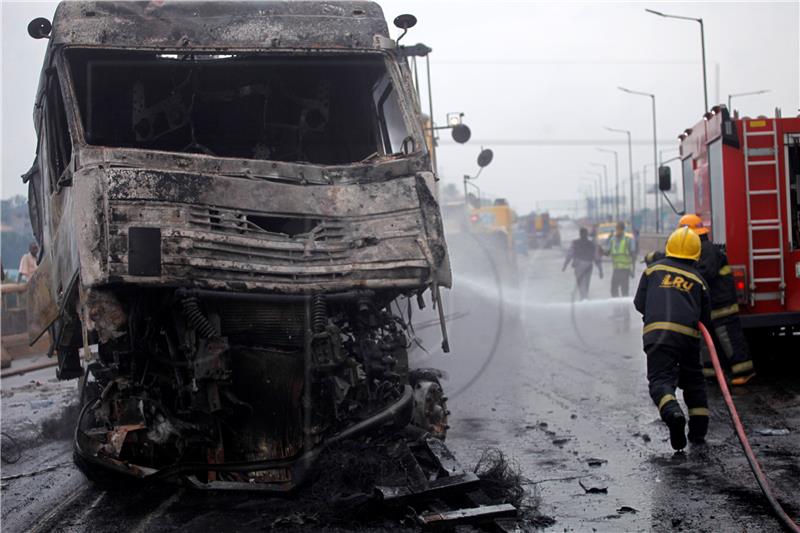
<point x="622" y="251"/>
<point x="27" y="264"/>
<point x="583" y="253"/>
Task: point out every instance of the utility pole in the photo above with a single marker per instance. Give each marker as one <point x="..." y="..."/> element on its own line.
<point x="630" y="165"/>
<point x="702" y="48"/>
<point x="599" y="192"/>
<point x="644" y="192"/>
<point x="616" y="171"/>
<point x="605" y="186"/>
<point x="731" y="96"/>
<point x="655" y="153"/>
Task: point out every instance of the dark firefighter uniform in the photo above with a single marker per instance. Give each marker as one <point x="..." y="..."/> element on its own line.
<point x="713" y="266"/>
<point x="673" y="297"/>
<point x="727" y="329"/>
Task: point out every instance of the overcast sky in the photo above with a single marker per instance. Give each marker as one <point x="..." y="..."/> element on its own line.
<point x="536" y="81"/>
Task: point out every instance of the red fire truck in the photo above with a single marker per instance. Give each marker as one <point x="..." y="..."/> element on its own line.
<point x="742" y="176"/>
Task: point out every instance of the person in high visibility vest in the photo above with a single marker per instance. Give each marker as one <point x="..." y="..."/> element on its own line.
<point x="623" y="252"/>
<point x="727" y="328"/>
<point x="673" y="298"/>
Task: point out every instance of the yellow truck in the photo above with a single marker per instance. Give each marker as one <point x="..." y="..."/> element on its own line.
<point x="497" y="221"/>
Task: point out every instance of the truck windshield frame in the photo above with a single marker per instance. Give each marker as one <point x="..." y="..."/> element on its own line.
<point x="320" y="108"/>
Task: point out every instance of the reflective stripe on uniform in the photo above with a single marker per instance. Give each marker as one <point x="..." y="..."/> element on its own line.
<point x="728" y="310"/>
<point x="671" y="326"/>
<point x="665" y="400"/>
<point x="675" y="270"/>
<point x="698" y="411"/>
<point x="709" y="372"/>
<point x="724" y="271"/>
<point x="744" y="366"/>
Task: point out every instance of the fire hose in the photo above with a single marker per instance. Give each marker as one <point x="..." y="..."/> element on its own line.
<point x="786" y="521"/>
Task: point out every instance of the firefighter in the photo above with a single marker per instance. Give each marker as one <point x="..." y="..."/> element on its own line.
<point x="727" y="328"/>
<point x="582" y="254"/>
<point x="673" y="298"/>
<point x="622" y="251"/>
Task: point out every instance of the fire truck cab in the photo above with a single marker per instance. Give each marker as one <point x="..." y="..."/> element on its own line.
<point x="742" y="176"/>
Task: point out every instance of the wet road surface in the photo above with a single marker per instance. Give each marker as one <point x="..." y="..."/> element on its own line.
<point x="563" y="394"/>
<point x="567" y="397"/>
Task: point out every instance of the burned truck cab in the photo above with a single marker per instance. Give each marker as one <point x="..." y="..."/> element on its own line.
<point x="230" y="198"/>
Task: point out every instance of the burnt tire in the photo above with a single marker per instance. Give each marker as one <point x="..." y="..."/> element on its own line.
<point x="100" y="476"/>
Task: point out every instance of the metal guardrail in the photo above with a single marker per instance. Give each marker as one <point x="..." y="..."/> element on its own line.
<point x="13" y="311"/>
<point x="651" y="242"/>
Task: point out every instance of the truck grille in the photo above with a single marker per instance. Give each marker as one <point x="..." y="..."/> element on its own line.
<point x="236" y="222"/>
<point x="222" y="245"/>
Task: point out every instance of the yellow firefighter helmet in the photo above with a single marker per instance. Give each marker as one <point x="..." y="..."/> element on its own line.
<point x="683" y="244"/>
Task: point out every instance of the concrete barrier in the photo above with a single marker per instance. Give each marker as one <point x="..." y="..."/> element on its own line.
<point x="14" y="325"/>
<point x="651" y="242"/>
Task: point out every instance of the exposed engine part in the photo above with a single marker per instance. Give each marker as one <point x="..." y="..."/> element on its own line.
<point x="319" y="313"/>
<point x="430" y="403"/>
<point x="276" y="324"/>
<point x="179" y="390"/>
<point x="195" y="318"/>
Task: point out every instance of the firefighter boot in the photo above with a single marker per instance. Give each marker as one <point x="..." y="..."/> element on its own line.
<point x="742" y="380"/>
<point x="698" y="427"/>
<point x="742" y="373"/>
<point x="672" y="415"/>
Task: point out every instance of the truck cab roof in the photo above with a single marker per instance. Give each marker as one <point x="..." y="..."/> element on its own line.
<point x="218" y="25"/>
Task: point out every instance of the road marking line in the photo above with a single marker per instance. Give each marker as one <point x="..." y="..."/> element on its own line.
<point x="157" y="513"/>
<point x="92" y="506"/>
<point x="43" y="523"/>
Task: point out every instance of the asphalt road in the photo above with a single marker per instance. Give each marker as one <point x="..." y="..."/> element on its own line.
<point x="566" y="397"/>
<point x="559" y="388"/>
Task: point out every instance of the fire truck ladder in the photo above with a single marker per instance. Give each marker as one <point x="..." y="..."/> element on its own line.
<point x="771" y="223"/>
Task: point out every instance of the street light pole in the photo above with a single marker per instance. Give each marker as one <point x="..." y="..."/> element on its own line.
<point x="702" y="47"/>
<point x="594" y="191"/>
<point x="616" y="171"/>
<point x="598" y="180"/>
<point x="703" y="51"/>
<point x="644" y="192"/>
<point x="657" y="204"/>
<point x="605" y="186"/>
<point x="630" y="163"/>
<point x="763" y="91"/>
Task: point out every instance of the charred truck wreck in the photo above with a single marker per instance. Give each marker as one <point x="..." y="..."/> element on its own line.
<point x="230" y="198"/>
